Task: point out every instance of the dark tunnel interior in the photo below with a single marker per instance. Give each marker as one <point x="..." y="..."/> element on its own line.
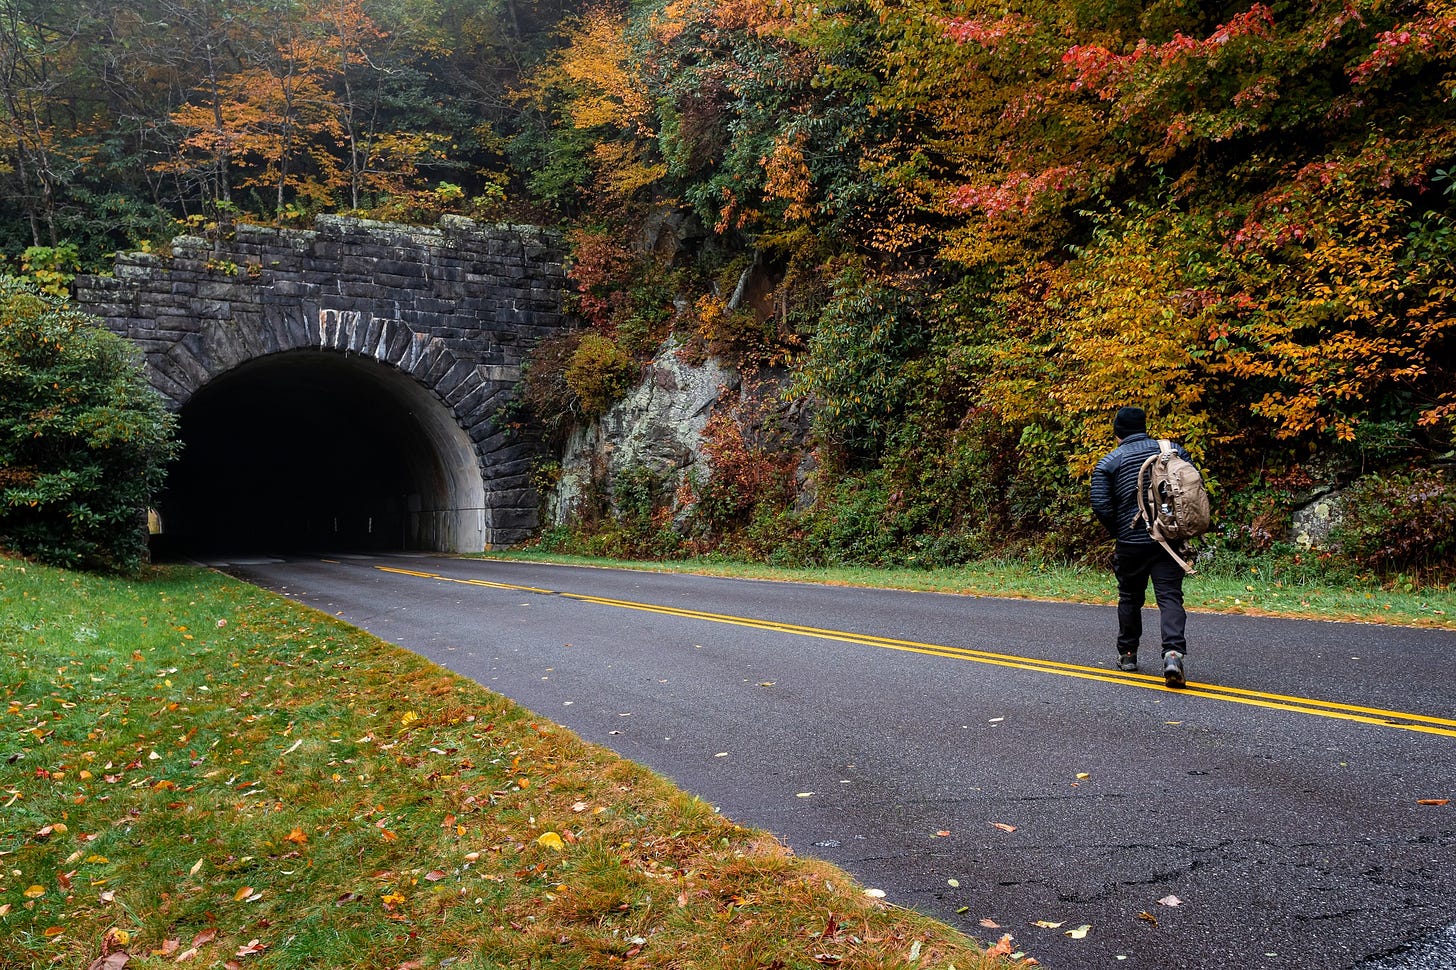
<point x="306" y="451"/>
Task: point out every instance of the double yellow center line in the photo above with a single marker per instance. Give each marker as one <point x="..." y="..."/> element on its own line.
<point x="1398" y="720"/>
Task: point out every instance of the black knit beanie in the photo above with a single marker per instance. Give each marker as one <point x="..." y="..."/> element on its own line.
<point x="1129" y="421"/>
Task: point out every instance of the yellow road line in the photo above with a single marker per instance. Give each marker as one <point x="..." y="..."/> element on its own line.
<point x="1421" y="723"/>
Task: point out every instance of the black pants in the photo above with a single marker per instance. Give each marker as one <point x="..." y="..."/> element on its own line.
<point x="1133" y="567"/>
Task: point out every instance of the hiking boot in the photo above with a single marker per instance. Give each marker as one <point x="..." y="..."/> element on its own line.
<point x="1127" y="662"/>
<point x="1173" y="669"/>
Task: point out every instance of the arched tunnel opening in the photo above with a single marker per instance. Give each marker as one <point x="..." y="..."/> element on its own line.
<point x="314" y="451"/>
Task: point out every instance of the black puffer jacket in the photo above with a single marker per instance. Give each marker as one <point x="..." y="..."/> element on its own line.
<point x="1114" y="487"/>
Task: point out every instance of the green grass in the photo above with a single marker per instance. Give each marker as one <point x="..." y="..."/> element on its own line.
<point x="192" y="764"/>
<point x="1268" y="587"/>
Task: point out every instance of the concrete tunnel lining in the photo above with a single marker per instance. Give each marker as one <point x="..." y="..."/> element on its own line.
<point x="320" y="450"/>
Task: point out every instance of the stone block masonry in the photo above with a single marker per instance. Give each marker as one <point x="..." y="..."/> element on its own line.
<point x="455" y="308"/>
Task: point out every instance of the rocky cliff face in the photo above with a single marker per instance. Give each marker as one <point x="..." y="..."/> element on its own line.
<point x="656" y="429"/>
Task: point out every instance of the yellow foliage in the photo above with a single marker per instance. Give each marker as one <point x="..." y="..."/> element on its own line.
<point x="1338" y="313"/>
<point x="787" y="177"/>
<point x="620" y="173"/>
<point x="1117" y="326"/>
<point x="594" y="70"/>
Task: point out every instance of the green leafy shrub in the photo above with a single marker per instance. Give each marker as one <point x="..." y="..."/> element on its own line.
<point x="83" y="440"/>
<point x="1400" y="521"/>
<point x="856" y="361"/>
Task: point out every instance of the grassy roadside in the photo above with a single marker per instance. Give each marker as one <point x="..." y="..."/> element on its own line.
<point x="1267" y="589"/>
<point x="195" y="771"/>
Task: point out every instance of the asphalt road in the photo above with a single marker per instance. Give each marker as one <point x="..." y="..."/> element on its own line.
<point x="981" y="760"/>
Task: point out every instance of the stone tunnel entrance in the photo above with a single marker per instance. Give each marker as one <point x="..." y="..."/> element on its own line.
<point x="339" y="387"/>
<point x="317" y="451"/>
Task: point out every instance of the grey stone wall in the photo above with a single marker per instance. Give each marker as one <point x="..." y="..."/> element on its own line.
<point x="457" y="308"/>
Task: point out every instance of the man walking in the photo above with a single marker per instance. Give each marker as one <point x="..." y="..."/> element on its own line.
<point x="1138" y="556"/>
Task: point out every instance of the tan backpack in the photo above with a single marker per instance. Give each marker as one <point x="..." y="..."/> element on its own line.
<point x="1172" y="501"/>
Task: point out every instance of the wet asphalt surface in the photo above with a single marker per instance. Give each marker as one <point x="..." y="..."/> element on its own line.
<point x="1288" y="838"/>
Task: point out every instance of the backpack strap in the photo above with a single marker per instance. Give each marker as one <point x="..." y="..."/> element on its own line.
<point x="1144" y="487"/>
<point x="1187" y="568"/>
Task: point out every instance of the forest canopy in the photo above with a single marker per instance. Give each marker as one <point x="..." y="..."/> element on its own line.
<point x="973" y="230"/>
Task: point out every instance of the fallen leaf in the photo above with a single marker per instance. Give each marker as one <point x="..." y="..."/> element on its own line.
<point x="1433" y="801"/>
<point x="112" y="961"/>
<point x="1083" y="776"/>
<point x="990" y="924"/>
<point x="242" y="894"/>
<point x="205" y="937"/>
<point x="1080" y="932"/>
<point x="875" y="893"/>
<point x="35" y="892"/>
<point x="297" y="837"/>
<point x="252" y="947"/>
<point x="434" y="875"/>
<point x="551" y="841"/>
<point x="1046" y="924"/>
<point x="186" y="954"/>
<point x="805" y="794"/>
<point x="1004" y="827"/>
<point x="1002" y="947"/>
<point x="196" y="868"/>
<point x="942" y="834"/>
<point x="51" y="932"/>
<point x="953" y="883"/>
<point x="1170" y="901"/>
<point x="167" y="948"/>
<point x="1148" y="918"/>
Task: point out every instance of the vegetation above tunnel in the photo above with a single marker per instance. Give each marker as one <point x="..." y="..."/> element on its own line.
<point x="962" y="233"/>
